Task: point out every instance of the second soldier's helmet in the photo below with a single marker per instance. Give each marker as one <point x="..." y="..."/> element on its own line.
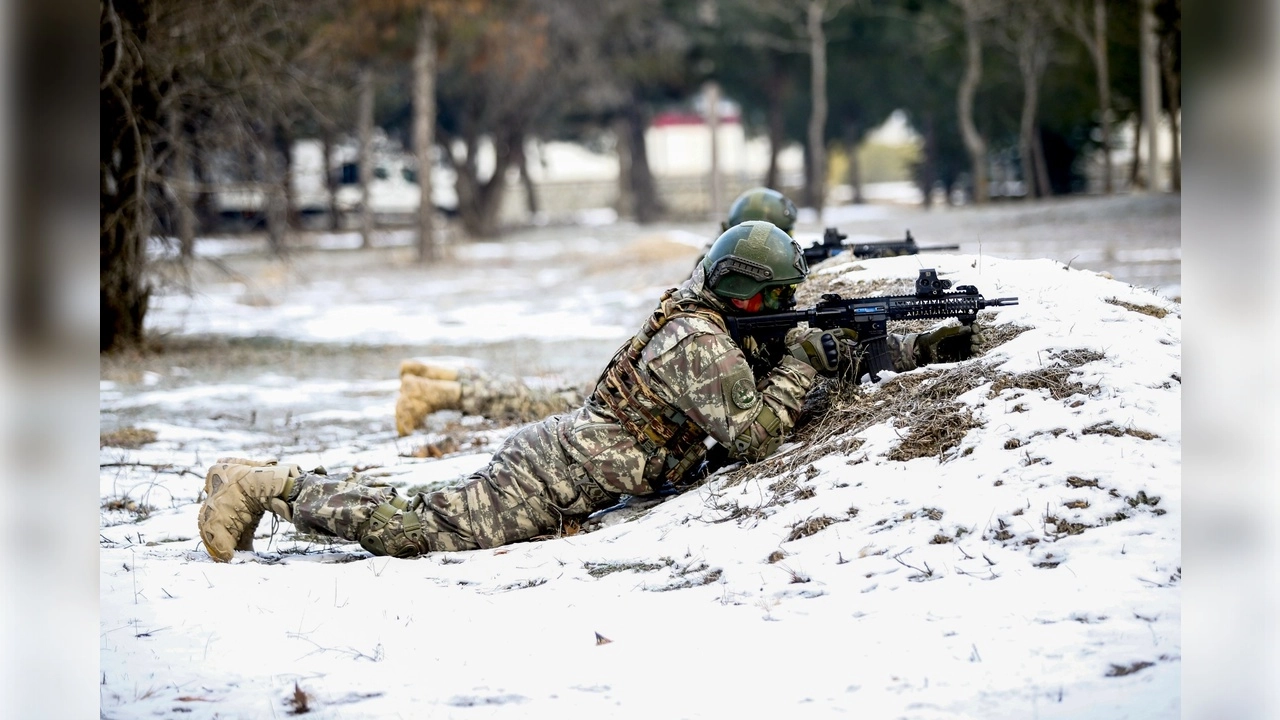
<point x="763" y="203"/>
<point x="755" y="257"/>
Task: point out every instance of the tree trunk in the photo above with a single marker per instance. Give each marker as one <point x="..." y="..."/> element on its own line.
<point x="1102" y="67"/>
<point x="853" y="175"/>
<point x="1173" y="87"/>
<point x="480" y="200"/>
<point x="1026" y="131"/>
<point x="127" y="111"/>
<point x="180" y="184"/>
<point x="424" y="123"/>
<point x="330" y="181"/>
<point x="364" y="124"/>
<point x="626" y="198"/>
<point x="1150" y="93"/>
<point x="777" y="125"/>
<point x="973" y="140"/>
<point x="818" y="113"/>
<point x="1032" y="45"/>
<point x="1136" y="179"/>
<point x="272" y="181"/>
<point x="202" y="202"/>
<point x="1042" y="166"/>
<point x="713" y="124"/>
<point x="646" y="206"/>
<point x="521" y="161"/>
<point x="927" y="173"/>
<point x="283" y="140"/>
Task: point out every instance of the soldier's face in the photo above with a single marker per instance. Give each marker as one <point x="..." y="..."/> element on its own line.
<point x="774" y="298"/>
<point x="779" y="298"/>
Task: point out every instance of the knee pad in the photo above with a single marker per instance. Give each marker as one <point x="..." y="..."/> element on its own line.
<point x="394" y="531"/>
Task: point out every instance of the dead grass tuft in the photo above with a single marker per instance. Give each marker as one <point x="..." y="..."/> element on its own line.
<point x="1057" y="526"/>
<point x="1056" y="378"/>
<point x="129" y="438"/>
<point x="127" y="505"/>
<point x="921" y="404"/>
<point x="298" y="701"/>
<point x="1151" y="310"/>
<point x="1109" y="428"/>
<point x="601" y="569"/>
<point x="805" y="528"/>
<point x="1122" y="670"/>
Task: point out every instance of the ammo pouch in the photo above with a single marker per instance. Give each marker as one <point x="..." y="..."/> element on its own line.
<point x="673" y="443"/>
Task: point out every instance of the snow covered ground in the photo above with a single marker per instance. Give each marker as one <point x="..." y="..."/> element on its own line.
<point x="1030" y="568"/>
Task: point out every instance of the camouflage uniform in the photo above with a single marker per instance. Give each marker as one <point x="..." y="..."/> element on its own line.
<point x="679" y="386"/>
<point x="502" y="397"/>
<point x="694" y="377"/>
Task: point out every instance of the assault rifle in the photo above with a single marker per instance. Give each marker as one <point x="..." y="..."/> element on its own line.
<point x="893" y="248"/>
<point x="868" y="316"/>
<point x="833" y="244"/>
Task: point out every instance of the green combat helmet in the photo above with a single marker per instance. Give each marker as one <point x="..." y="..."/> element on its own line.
<point x="762" y="204"/>
<point x="755" y="257"/>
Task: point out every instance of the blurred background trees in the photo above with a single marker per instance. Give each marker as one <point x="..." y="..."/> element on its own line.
<point x="281" y="117"/>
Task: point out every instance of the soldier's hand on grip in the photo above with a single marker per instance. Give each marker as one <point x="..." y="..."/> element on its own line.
<point x="947" y="343"/>
<point x="825" y="350"/>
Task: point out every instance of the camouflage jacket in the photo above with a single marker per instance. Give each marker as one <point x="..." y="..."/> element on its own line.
<point x="693" y="366"/>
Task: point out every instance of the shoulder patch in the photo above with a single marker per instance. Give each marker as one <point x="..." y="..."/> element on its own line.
<point x="740" y="389"/>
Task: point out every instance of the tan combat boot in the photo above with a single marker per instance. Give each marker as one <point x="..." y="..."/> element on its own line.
<point x="216" y="476"/>
<point x="421" y="396"/>
<point x="239" y="496"/>
<point x="421" y="369"/>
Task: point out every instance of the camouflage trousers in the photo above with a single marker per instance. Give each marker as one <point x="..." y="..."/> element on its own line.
<point x="528" y="489"/>
<point x="499" y="397"/>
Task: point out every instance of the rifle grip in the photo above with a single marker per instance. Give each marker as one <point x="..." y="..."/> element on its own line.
<point x="875" y="354"/>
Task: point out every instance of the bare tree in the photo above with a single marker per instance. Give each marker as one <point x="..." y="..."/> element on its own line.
<point x="424" y="126"/>
<point x="1149" y="66"/>
<point x="976" y="13"/>
<point x="171" y="72"/>
<point x="129" y="108"/>
<point x="371" y="40"/>
<point x="618" y="57"/>
<point x="364" y="153"/>
<point x="804" y="25"/>
<point x="1074" y="16"/>
<point x="1024" y="29"/>
<point x="1169" y="47"/>
<point x="495" y="82"/>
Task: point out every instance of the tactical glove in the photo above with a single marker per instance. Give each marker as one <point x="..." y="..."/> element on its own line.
<point x="947" y="343"/>
<point x="827" y="351"/>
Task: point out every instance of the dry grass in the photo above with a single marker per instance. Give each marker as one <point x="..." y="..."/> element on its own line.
<point x="129" y="438"/>
<point x="805" y="528"/>
<point x="1056" y="378"/>
<point x="813" y="288"/>
<point x="601" y="569"/>
<point x="1109" y="428"/>
<point x="643" y="251"/>
<point x="1151" y="310"/>
<point x="922" y="405"/>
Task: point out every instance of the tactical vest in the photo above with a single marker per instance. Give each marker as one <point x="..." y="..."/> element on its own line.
<point x="673" y="443"/>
